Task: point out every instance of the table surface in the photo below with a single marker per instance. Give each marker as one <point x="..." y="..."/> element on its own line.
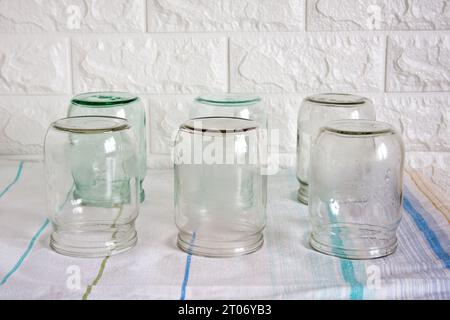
<point x="285" y="268"/>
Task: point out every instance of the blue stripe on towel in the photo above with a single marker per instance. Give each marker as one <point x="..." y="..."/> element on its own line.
<point x="428" y="233"/>
<point x="347" y="268"/>
<point x="187" y="271"/>
<point x="25" y="254"/>
<point x="17" y="177"/>
<point x="349" y="274"/>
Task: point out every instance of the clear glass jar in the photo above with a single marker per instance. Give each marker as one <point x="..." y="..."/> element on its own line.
<point x="116" y="104"/>
<point x="230" y="105"/>
<point x="92" y="182"/>
<point x="356" y="185"/>
<point x="220" y="191"/>
<point x="314" y="113"/>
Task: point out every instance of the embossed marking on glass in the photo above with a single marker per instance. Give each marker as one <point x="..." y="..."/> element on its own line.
<point x="315" y="112"/>
<point x="356" y="189"/>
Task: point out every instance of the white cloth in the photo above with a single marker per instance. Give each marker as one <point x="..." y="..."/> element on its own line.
<point x="286" y="267"/>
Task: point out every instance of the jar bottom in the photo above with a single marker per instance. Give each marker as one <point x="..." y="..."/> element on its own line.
<point x="93" y="240"/>
<point x="303" y="193"/>
<point x="358" y="242"/>
<point x="219" y="249"/>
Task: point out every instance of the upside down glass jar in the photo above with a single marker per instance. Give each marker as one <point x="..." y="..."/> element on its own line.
<point x="116" y="104"/>
<point x="220" y="190"/>
<point x="356" y="186"/>
<point x="314" y="113"/>
<point x="230" y="105"/>
<point x="92" y="185"/>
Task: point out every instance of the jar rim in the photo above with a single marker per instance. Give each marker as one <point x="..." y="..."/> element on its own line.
<point x="228" y="99"/>
<point x="90" y="124"/>
<point x="339" y="99"/>
<point x="103" y="99"/>
<point x="234" y="125"/>
<point x="359" y="127"/>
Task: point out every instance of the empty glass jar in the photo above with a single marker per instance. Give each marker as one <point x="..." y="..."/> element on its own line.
<point x="92" y="182"/>
<point x="116" y="104"/>
<point x="355" y="185"/>
<point x="220" y="191"/>
<point x="230" y="105"/>
<point x="314" y="113"/>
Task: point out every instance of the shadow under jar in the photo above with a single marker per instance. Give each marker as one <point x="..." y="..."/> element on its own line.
<point x="356" y="189"/>
<point x="92" y="182"/>
<point x="220" y="191"/>
<point x="314" y="113"/>
<point x="116" y="104"/>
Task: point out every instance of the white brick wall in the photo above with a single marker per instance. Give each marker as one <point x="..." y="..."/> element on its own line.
<point x="396" y="52"/>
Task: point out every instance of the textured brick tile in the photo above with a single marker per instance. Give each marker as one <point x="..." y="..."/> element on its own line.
<point x="34" y="65"/>
<point x="72" y="15"/>
<point x="302" y="64"/>
<point x="225" y="15"/>
<point x="418" y="63"/>
<point x="151" y="65"/>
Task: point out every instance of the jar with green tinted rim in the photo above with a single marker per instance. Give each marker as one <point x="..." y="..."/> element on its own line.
<point x="230" y="105"/>
<point x="116" y="104"/>
<point x="316" y="111"/>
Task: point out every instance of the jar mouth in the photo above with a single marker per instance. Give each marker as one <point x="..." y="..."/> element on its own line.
<point x="103" y="99"/>
<point x="359" y="127"/>
<point x="340" y="99"/>
<point x="90" y="124"/>
<point x="228" y="99"/>
<point x="219" y="125"/>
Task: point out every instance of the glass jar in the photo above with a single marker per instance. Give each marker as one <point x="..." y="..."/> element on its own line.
<point x="314" y="113"/>
<point x="220" y="191"/>
<point x="230" y="105"/>
<point x="116" y="104"/>
<point x="356" y="189"/>
<point x="92" y="184"/>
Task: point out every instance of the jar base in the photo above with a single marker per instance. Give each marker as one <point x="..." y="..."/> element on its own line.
<point x="353" y="254"/>
<point x="219" y="249"/>
<point x="303" y="193"/>
<point x="93" y="240"/>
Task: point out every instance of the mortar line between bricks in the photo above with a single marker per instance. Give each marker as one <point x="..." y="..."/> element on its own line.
<point x="229" y="64"/>
<point x="305" y="16"/>
<point x="71" y="67"/>
<point x="206" y="34"/>
<point x="413" y="94"/>
<point x="386" y="43"/>
<point x="146" y="16"/>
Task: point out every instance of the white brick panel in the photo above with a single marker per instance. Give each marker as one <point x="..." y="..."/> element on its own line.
<point x="166" y="114"/>
<point x="34" y="65"/>
<point x="311" y="63"/>
<point x="396" y="52"/>
<point x="423" y="121"/>
<point x="150" y="65"/>
<point x="24" y="121"/>
<point x="225" y="15"/>
<point x="418" y="63"/>
<point x="282" y="113"/>
<point x="333" y="15"/>
<point x="72" y="15"/>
